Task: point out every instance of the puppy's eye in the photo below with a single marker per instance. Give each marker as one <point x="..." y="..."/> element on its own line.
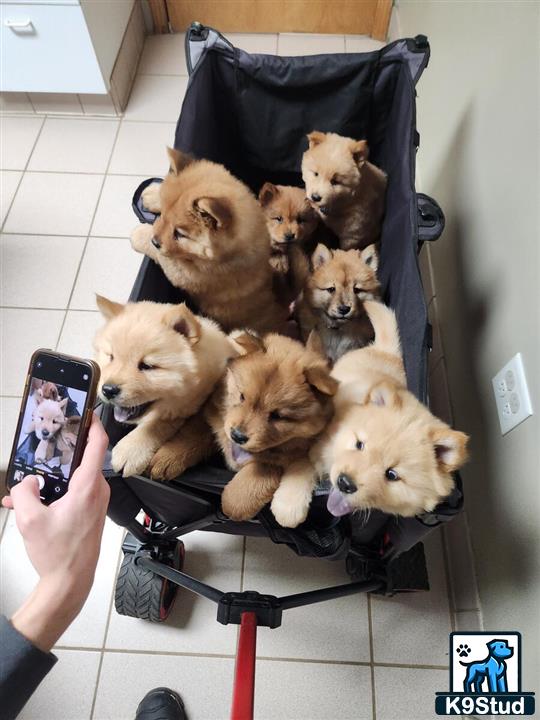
<point x="179" y="235"/>
<point x="110" y="356"/>
<point x="334" y="182"/>
<point x="316" y="173"/>
<point x="242" y="398"/>
<point x="357" y="290"/>
<point x="330" y="290"/>
<point x="360" y="445"/>
<point x="300" y="220"/>
<point x="278" y="219"/>
<point x="276" y="415"/>
<point x="145" y="366"/>
<point x="391" y="474"/>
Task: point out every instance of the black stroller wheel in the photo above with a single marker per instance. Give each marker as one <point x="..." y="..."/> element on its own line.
<point x="142" y="594"/>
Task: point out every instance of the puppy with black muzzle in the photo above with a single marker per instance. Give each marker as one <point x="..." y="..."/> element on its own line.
<point x="159" y="363"/>
<point x="332" y="300"/>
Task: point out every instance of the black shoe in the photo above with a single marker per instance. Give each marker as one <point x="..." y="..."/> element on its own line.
<point x="161" y="704"/>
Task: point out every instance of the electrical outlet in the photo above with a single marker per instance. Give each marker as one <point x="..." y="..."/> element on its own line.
<point x="512" y="394"/>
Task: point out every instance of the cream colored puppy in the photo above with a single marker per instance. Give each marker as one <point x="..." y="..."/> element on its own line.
<point x="159" y="363"/>
<point x="383" y="450"/>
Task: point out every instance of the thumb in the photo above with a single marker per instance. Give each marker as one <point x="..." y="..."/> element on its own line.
<point x="25" y="496"/>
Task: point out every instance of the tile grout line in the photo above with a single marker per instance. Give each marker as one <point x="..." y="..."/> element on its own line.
<point x="89" y="234"/>
<point x="371" y="658"/>
<point x="8" y="211"/>
<point x="103" y="647"/>
<point x="46" y="309"/>
<point x="63" y="235"/>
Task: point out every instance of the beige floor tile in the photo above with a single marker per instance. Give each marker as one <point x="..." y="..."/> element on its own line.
<point x="109" y="267"/>
<point x="290" y="44"/>
<point x="9" y="414"/>
<point x="54" y="204"/>
<point x="205" y="684"/>
<point x="17" y="138"/>
<point x="19" y="578"/>
<point x="67" y="691"/>
<point x="70" y="145"/>
<point x="163" y="55"/>
<point x="141" y="148"/>
<point x="407" y="693"/>
<point x="114" y="216"/>
<point x="361" y="44"/>
<point x="156" y="97"/>
<point x="192" y="627"/>
<point x="78" y="333"/>
<point x="277" y="570"/>
<point x="23" y="331"/>
<point x="302" y="691"/>
<point x="413" y="628"/>
<point x="23" y="258"/>
<point x="264" y="43"/>
<point x="65" y="103"/>
<point x="15" y="102"/>
<point x="8" y="185"/>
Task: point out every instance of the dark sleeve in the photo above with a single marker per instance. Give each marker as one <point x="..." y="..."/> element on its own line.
<point x="22" y="667"/>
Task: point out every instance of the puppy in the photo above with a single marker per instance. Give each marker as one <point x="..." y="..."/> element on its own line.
<point x="159" y="363"/>
<point x="48" y="419"/>
<point x="211" y="241"/>
<point x="67" y="439"/>
<point x="383" y="449"/>
<point x="332" y="301"/>
<point x="273" y="402"/>
<point x="345" y="189"/>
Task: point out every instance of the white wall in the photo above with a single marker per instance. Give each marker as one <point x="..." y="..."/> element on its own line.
<point x="107" y="22"/>
<point x="479" y="123"/>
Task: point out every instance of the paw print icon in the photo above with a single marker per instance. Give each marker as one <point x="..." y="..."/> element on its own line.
<point x="463" y="650"/>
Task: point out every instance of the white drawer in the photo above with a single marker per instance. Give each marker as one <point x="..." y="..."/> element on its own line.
<point x="47" y="48"/>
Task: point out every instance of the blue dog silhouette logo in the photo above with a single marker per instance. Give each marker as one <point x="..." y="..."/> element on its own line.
<point x="487" y="675"/>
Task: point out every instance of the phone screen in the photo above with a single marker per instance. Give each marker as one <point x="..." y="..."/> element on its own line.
<point x="53" y="415"/>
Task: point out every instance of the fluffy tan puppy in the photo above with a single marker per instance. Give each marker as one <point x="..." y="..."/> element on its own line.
<point x="332" y="301"/>
<point x="383" y="449"/>
<point x="48" y="419"/>
<point x="211" y="241"/>
<point x="159" y="363"/>
<point x="345" y="189"/>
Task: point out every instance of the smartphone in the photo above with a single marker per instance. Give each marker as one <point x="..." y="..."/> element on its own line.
<point x="56" y="412"/>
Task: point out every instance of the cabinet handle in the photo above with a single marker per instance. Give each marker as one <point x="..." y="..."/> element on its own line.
<point x="18" y="24"/>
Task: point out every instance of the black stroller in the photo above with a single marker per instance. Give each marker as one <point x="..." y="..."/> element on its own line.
<point x="252" y="113"/>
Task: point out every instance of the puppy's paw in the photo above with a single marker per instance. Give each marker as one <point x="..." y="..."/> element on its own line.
<point x="166" y="465"/>
<point x="235" y="506"/>
<point x="130" y="456"/>
<point x="141" y="238"/>
<point x="151" y="197"/>
<point x="290" y="507"/>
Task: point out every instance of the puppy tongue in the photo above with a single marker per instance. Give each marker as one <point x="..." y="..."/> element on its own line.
<point x="337" y="504"/>
<point x="121" y="414"/>
<point x="240" y="455"/>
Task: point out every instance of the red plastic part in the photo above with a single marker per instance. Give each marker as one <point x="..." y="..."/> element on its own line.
<point x="244" y="673"/>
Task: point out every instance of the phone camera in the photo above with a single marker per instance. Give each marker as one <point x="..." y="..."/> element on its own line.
<point x="85" y="376"/>
<point x="39" y="364"/>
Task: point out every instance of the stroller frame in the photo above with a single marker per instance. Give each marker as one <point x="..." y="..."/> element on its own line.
<point x="382" y="554"/>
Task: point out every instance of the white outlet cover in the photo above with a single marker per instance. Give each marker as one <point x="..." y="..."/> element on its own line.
<point x="512" y="394"/>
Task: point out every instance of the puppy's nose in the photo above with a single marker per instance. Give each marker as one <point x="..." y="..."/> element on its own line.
<point x="346" y="484"/>
<point x="155" y="242"/>
<point x="344" y="309"/>
<point x="289" y="237"/>
<point x="316" y="197"/>
<point x="45" y="433"/>
<point x="110" y="391"/>
<point x="238" y="436"/>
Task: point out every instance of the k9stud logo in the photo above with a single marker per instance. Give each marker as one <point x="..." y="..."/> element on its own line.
<point x="485" y="676"/>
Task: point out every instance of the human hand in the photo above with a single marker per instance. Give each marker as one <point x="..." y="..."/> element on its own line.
<point x="62" y="542"/>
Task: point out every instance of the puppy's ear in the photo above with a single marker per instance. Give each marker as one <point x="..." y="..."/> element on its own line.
<point x="450" y="447"/>
<point x="63" y="403"/>
<point x="215" y="210"/>
<point x="314" y="343"/>
<point x="108" y="308"/>
<point x="247" y="342"/>
<point x="319" y="378"/>
<point x="186" y="323"/>
<point x="321" y="255"/>
<point x="384" y="394"/>
<point x="267" y="193"/>
<point x="360" y="151"/>
<point x="178" y="160"/>
<point x="370" y="256"/>
<point x="315" y="138"/>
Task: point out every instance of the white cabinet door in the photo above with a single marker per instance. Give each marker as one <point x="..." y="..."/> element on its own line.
<point x="47" y="48"/>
